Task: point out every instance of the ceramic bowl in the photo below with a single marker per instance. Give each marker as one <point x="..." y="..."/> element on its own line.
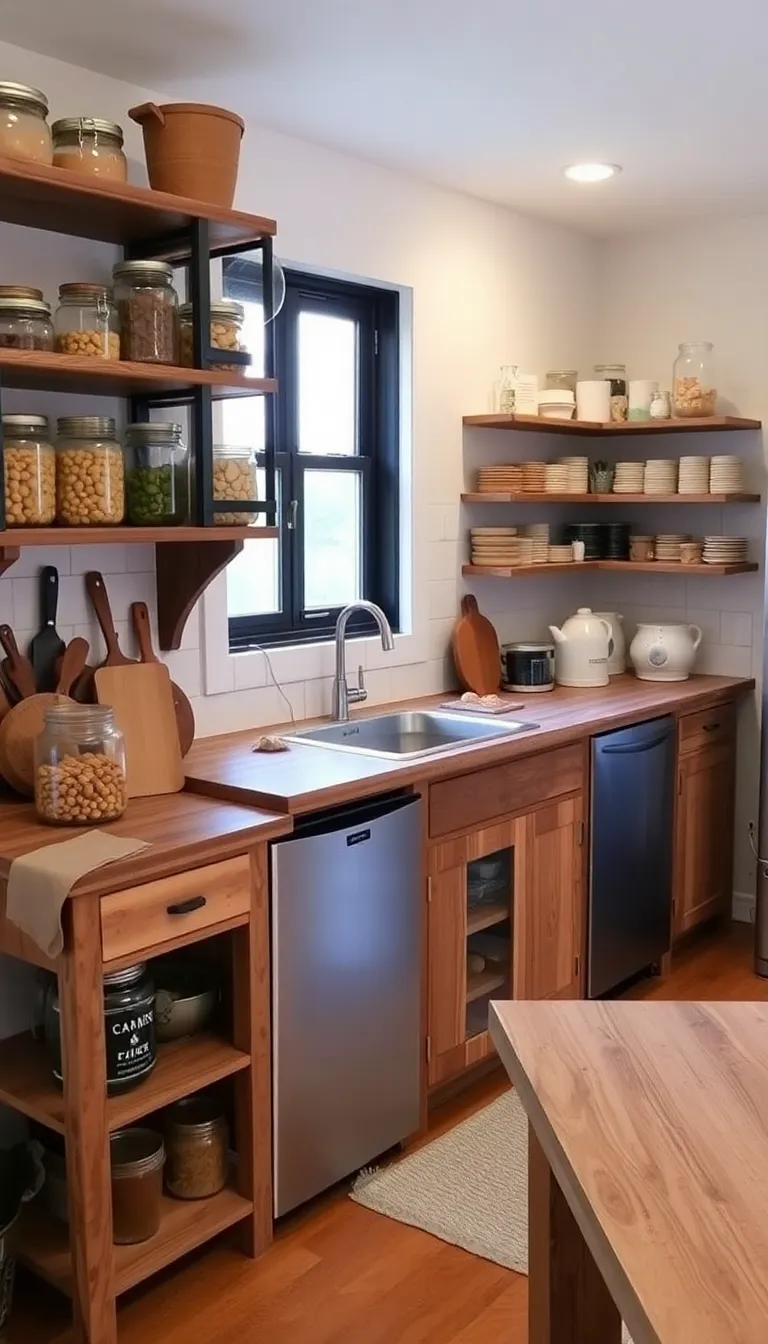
<point x="185" y="1000"/>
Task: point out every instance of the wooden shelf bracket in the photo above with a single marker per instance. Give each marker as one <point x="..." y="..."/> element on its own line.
<point x="8" y="556"/>
<point x="183" y="572"/>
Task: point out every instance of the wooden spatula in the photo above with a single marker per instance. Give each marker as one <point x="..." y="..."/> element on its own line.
<point x="185" y="718"/>
<point x="16" y="667"/>
<point x="97" y="592"/>
<point x="475" y="648"/>
<point x="47" y="646"/>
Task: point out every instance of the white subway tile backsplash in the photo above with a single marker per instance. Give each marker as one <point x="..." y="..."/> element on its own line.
<point x="442" y="560"/>
<point x="32" y="558"/>
<point x="709" y="624"/>
<point x="451" y="524"/>
<point x="736" y="627"/>
<point x="317" y="697"/>
<point x="140" y="559"/>
<point x="724" y="660"/>
<point x="185" y="670"/>
<point x="439" y="637"/>
<point x="105" y="559"/>
<point x="434" y="522"/>
<point x="443" y="601"/>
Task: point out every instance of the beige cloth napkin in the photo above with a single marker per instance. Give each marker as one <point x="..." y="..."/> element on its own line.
<point x="39" y="883"/>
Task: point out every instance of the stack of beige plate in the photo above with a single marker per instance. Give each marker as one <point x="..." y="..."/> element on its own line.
<point x="693" y="478"/>
<point x="725" y="476"/>
<point x="538" y="531"/>
<point x="497" y="546"/>
<point x="628" y="478"/>
<point x="500" y="480"/>
<point x="660" y="476"/>
<point x="534" y="478"/>
<point x="538" y="535"/>
<point x="578" y="474"/>
<point x="560" y="555"/>
<point x="725" y="550"/>
<point x="667" y="545"/>
<point x="557" y="478"/>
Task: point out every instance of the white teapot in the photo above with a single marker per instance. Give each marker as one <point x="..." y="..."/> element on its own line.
<point x="664" y="652"/>
<point x="582" y="649"/>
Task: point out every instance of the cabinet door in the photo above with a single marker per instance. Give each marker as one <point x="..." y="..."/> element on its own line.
<point x="549" y="902"/>
<point x="704" y="836"/>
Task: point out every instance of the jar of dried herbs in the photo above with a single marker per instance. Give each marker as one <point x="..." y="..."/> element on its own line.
<point x="197" y="1148"/>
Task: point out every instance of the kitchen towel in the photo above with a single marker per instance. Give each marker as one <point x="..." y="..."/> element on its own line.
<point x="40" y="882"/>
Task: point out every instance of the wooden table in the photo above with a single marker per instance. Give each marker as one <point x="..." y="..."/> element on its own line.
<point x="648" y="1185"/>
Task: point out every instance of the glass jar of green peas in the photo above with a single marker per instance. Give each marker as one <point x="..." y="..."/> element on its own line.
<point x="156" y="475"/>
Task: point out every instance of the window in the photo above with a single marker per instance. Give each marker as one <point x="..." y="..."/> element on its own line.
<point x="335" y="427"/>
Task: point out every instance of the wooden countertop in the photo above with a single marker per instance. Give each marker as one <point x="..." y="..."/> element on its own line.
<point x="308" y="777"/>
<point x="652" y="1119"/>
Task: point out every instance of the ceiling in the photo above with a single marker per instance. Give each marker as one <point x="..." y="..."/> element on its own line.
<point x="492" y="97"/>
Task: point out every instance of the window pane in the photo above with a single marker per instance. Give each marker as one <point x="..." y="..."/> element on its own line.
<point x="253" y="577"/>
<point x="327" y="384"/>
<point x="244" y="418"/>
<point x="332" y="538"/>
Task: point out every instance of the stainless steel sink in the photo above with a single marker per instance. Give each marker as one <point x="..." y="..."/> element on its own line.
<point x="410" y="734"/>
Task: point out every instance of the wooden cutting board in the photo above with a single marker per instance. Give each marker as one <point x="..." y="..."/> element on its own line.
<point x="21" y="725"/>
<point x="185" y="718"/>
<point x="475" y="649"/>
<point x="141" y="696"/>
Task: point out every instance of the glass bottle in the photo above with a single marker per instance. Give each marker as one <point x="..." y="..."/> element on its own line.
<point x="148" y="307"/>
<point x="694" y="392"/>
<point x="616" y="375"/>
<point x="86" y="321"/>
<point x="91" y="147"/>
<point x="29" y="466"/>
<point x="156" y="474"/>
<point x="227" y="319"/>
<point x="90" y="487"/>
<point x="79" y="765"/>
<point x="25" y="324"/>
<point x="197" y="1145"/>
<point x="234" y="478"/>
<point x="507" y="389"/>
<point x="24" y="131"/>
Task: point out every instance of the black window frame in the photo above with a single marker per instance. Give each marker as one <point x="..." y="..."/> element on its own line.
<point x="377" y="461"/>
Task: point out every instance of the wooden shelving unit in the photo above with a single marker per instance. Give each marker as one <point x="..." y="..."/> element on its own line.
<point x="616" y="566"/>
<point x="545" y="497"/>
<point x="484" y="916"/>
<point x="484" y="982"/>
<point x="595" y="429"/>
<point x="43" y="371"/>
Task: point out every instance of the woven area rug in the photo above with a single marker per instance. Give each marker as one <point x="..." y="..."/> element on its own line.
<point x="468" y="1187"/>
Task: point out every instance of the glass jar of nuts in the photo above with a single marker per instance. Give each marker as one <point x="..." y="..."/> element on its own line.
<point x="29" y="466"/>
<point x="86" y="321"/>
<point x="91" y="147"/>
<point x="79" y="766"/>
<point x="694" y="392"/>
<point x="227" y="318"/>
<point x="148" y="308"/>
<point x="156" y="474"/>
<point x="234" y="478"/>
<point x="25" y="324"/>
<point x="90" y="485"/>
<point x="197" y="1147"/>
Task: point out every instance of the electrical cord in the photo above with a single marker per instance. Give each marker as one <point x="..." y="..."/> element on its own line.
<point x="277" y="685"/>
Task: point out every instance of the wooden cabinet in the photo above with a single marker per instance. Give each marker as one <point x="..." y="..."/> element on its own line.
<point x="549" y="904"/>
<point x="704" y="833"/>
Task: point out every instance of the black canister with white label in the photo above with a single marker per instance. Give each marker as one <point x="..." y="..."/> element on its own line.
<point x="129" y="1028"/>
<point x="528" y="667"/>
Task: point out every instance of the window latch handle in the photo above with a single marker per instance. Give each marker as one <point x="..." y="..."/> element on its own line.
<point x="291" y="515"/>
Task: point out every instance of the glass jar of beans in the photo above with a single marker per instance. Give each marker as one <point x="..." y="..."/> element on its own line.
<point x="227" y="318"/>
<point x="234" y="478"/>
<point x="156" y="474"/>
<point x="148" y="308"/>
<point x="90" y="484"/>
<point x="86" y="321"/>
<point x="79" y="766"/>
<point x="29" y="467"/>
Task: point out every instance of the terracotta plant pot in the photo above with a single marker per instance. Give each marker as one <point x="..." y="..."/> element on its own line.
<point x="192" y="149"/>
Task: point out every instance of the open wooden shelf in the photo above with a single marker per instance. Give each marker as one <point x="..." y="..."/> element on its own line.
<point x="595" y="429"/>
<point x="27" y="1084"/>
<point x="116" y="212"/>
<point x="544" y="497"/>
<point x="43" y="1242"/>
<point x="47" y="371"/>
<point x="484" y="982"/>
<point x="484" y="916"/>
<point x="621" y="566"/>
<point x="122" y="536"/>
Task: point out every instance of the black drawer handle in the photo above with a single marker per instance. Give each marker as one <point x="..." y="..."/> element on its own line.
<point x="711" y="727"/>
<point x="186" y="907"/>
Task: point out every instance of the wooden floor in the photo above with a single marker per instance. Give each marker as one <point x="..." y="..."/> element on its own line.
<point x="339" y="1274"/>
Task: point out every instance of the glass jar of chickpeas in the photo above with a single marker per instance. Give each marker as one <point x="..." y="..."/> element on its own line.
<point x="227" y="319"/>
<point x="235" y="478"/>
<point x="86" y="321"/>
<point x="29" y="471"/>
<point x="79" y="766"/>
<point x="90" y="475"/>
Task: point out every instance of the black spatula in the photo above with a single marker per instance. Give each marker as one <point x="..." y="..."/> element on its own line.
<point x="47" y="646"/>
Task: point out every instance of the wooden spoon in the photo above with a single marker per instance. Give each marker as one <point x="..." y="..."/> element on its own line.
<point x="97" y="592"/>
<point x="16" y="667"/>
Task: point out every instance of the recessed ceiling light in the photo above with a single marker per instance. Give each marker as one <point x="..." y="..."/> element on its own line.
<point x="591" y="172"/>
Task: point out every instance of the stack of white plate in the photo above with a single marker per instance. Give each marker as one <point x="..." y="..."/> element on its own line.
<point x="560" y="555"/>
<point x="660" y="476"/>
<point x="534" y="477"/>
<point x="725" y="550"/>
<point x="693" y="478"/>
<point x="500" y="480"/>
<point x="667" y="545"/>
<point x="538" y="531"/>
<point x="628" y="478"/>
<point x="538" y="534"/>
<point x="556" y="478"/>
<point x="725" y="476"/>
<point x="578" y="474"/>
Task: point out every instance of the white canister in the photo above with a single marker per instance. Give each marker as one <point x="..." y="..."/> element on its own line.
<point x="617" y="661"/>
<point x="641" y="391"/>
<point x="664" y="652"/>
<point x="593" y="400"/>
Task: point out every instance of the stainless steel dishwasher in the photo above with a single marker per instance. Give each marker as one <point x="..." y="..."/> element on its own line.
<point x="346" y="892"/>
<point x="630" y="889"/>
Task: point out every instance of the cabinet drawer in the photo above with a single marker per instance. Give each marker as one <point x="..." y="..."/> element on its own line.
<point x="709" y="726"/>
<point x="173" y="908"/>
<point x="459" y="804"/>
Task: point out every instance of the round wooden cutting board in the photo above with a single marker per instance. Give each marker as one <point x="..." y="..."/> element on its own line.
<point x="475" y="648"/>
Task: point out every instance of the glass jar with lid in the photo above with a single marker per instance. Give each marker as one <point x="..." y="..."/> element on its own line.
<point x="694" y="390"/>
<point x="227" y="319"/>
<point x="129" y="1028"/>
<point x="148" y="308"/>
<point x="616" y="375"/>
<point x="79" y="765"/>
<point x="561" y="380"/>
<point x="24" y="131"/>
<point x="234" y="478"/>
<point x="25" y="324"/>
<point x="29" y="469"/>
<point x="136" y="1158"/>
<point x="197" y="1147"/>
<point x="90" y="146"/>
<point x="90" y="478"/>
<point x="156" y="474"/>
<point x="86" y="321"/>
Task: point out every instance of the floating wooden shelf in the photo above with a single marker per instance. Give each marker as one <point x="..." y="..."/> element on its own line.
<point x="484" y="983"/>
<point x="116" y="212"/>
<point x="543" y="497"/>
<point x="595" y="429"/>
<point x="46" y="371"/>
<point x="27" y="1084"/>
<point x="43" y="1242"/>
<point x="125" y="536"/>
<point x="485" y="916"/>
<point x="623" y="566"/>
